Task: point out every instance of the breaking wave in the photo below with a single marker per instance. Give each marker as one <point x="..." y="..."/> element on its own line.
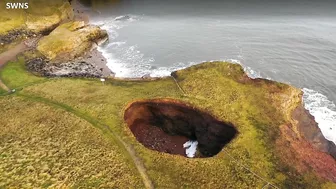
<point x="323" y="110"/>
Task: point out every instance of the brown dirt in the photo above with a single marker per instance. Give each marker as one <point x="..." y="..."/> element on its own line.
<point x="3" y="86"/>
<point x="12" y="53"/>
<point x="303" y="146"/>
<point x="303" y="156"/>
<point x="166" y="124"/>
<point x="156" y="139"/>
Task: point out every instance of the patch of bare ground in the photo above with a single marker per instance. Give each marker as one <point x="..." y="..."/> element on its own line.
<point x="165" y="125"/>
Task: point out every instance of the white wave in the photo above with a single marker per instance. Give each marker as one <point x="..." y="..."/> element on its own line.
<point x="111" y="25"/>
<point x="191" y="148"/>
<point x="115" y="44"/>
<point x="161" y="72"/>
<point x="235" y="61"/>
<point x="130" y="61"/>
<point x="113" y="63"/>
<point x="122" y="17"/>
<point x="251" y="73"/>
<point x="126" y="18"/>
<point x="324" y="112"/>
<point x="248" y="70"/>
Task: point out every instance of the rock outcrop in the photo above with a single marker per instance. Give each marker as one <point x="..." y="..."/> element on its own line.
<point x="70" y="40"/>
<point x="66" y="52"/>
<point x="43" y="67"/>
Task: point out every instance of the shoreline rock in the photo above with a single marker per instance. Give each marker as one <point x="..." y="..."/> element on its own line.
<point x="75" y="68"/>
<point x="71" y="40"/>
<point x="14" y="35"/>
<point x="70" y="51"/>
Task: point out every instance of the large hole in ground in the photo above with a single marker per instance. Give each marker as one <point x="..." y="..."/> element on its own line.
<point x="167" y="125"/>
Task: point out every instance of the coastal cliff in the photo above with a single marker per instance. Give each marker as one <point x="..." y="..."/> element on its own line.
<point x="85" y="132"/>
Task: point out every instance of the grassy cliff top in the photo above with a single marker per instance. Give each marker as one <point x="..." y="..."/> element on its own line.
<point x="257" y="108"/>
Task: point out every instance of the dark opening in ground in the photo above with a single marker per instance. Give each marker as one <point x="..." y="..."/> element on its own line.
<point x="165" y="125"/>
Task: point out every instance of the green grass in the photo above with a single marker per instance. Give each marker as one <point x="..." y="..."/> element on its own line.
<point x="47" y="146"/>
<point x="2" y="91"/>
<point x="218" y="88"/>
<point x="15" y="75"/>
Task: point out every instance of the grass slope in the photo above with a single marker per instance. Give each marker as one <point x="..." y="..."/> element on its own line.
<point x="249" y="161"/>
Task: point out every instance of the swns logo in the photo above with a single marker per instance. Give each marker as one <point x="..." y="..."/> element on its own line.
<point x="17" y="5"/>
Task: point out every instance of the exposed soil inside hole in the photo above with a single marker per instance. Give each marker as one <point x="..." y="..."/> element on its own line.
<point x="165" y="125"/>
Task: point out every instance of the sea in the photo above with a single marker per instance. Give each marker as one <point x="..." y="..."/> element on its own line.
<point x="291" y="41"/>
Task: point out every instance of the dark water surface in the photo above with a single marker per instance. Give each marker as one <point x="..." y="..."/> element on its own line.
<point x="288" y="41"/>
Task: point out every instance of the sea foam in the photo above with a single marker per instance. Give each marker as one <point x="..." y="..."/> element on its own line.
<point x="323" y="110"/>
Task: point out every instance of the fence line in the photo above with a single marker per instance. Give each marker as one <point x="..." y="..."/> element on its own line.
<point x="178" y="85"/>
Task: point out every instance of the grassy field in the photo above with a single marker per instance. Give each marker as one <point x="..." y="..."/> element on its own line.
<point x="64" y="119"/>
<point x="42" y="146"/>
<point x="14" y="75"/>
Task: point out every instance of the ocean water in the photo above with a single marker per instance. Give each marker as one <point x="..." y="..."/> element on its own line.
<point x="289" y="41"/>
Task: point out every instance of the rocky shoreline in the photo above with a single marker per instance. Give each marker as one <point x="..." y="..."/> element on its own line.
<point x="69" y="69"/>
<point x="87" y="62"/>
<point x="15" y="35"/>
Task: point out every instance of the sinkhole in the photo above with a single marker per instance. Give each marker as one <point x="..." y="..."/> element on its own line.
<point x="170" y="126"/>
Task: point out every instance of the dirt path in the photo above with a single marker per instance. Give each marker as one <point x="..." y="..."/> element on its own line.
<point x="137" y="161"/>
<point x="11" y="54"/>
<point x="3" y="86"/>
